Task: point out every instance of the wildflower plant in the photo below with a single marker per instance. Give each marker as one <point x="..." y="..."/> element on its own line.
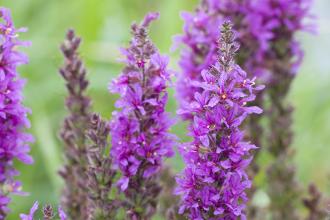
<point x="214" y="182"/>
<point x="283" y="61"/>
<point x="14" y="141"/>
<point x="73" y="133"/>
<point x="221" y="95"/>
<point x="140" y="137"/>
<point x="266" y="31"/>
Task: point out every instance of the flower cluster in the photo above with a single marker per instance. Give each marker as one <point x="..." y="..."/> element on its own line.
<point x="140" y="138"/>
<point x="73" y="133"/>
<point x="214" y="181"/>
<point x="266" y="31"/>
<point x="48" y="213"/>
<point x="264" y="28"/>
<point x="216" y="96"/>
<point x="13" y="115"/>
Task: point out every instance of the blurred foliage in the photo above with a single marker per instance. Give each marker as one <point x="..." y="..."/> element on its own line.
<point x="104" y="27"/>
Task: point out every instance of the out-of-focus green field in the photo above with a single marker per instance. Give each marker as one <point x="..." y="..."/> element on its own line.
<point x="104" y="27"/>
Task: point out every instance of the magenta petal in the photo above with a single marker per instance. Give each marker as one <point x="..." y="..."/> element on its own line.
<point x="123" y="183"/>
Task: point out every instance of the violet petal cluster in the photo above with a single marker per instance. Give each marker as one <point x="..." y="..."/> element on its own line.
<point x="14" y="142"/>
<point x="213" y="184"/>
<point x="140" y="137"/>
<point x="266" y="31"/>
<point x="263" y="26"/>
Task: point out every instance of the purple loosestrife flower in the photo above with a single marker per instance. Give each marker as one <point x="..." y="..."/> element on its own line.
<point x="100" y="172"/>
<point x="259" y="29"/>
<point x="200" y="52"/>
<point x="140" y="138"/>
<point x="13" y="115"/>
<point x="282" y="59"/>
<point x="73" y="133"/>
<point x="48" y="213"/>
<point x="214" y="182"/>
<point x="259" y="24"/>
<point x="266" y="31"/>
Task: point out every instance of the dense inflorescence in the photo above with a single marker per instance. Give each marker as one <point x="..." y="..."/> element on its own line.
<point x="140" y="138"/>
<point x="48" y="213"/>
<point x="73" y="133"/>
<point x="13" y="115"/>
<point x="100" y="172"/>
<point x="214" y="182"/>
<point x="283" y="59"/>
<point x="266" y="31"/>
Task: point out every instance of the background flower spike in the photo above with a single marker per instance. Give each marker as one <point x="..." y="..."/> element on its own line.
<point x="73" y="133"/>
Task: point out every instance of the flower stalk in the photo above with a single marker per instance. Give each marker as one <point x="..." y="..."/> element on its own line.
<point x="213" y="185"/>
<point x="73" y="133"/>
<point x="14" y="141"/>
<point x="140" y="137"/>
<point x="266" y="31"/>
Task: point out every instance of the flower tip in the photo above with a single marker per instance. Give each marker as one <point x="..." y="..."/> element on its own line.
<point x="151" y="16"/>
<point x="226" y="25"/>
<point x="260" y="87"/>
<point x="4" y="12"/>
<point x="35" y="206"/>
<point x="70" y="33"/>
<point x="186" y="16"/>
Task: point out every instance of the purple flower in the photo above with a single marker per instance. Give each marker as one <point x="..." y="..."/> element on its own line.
<point x="30" y="216"/>
<point x="267" y="32"/>
<point x="61" y="213"/>
<point x="140" y="138"/>
<point x="13" y="115"/>
<point x="213" y="184"/>
<point x="265" y="28"/>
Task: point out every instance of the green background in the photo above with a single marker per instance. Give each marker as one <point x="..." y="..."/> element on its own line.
<point x="104" y="27"/>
